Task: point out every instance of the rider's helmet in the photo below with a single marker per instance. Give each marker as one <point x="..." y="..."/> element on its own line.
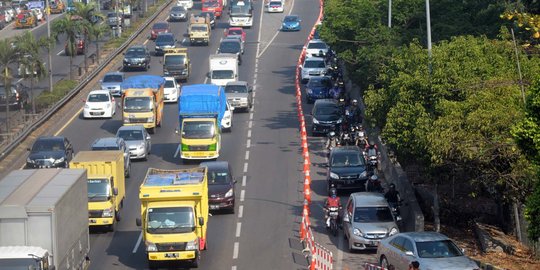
<point x="392" y="186"/>
<point x="333" y="192"/>
<point x="354" y="102"/>
<point x="331" y="134"/>
<point x="371" y="144"/>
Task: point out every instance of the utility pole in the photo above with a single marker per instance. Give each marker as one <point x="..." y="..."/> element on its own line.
<point x="389" y="13"/>
<point x="47" y="14"/>
<point x="428" y="25"/>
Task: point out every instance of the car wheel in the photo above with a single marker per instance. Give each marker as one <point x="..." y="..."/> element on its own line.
<point x="128" y="171"/>
<point x="384" y="262"/>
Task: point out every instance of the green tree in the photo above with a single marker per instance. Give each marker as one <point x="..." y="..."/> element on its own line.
<point x="96" y="32"/>
<point x="9" y="56"/>
<point x="88" y="12"/>
<point x="71" y="26"/>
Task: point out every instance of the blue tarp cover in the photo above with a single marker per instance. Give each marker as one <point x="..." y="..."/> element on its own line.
<point x="202" y="100"/>
<point x="143" y="81"/>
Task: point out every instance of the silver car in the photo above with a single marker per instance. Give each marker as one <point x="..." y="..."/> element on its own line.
<point x="312" y="67"/>
<point x="431" y="249"/>
<point x="114" y="143"/>
<point x="112" y="81"/>
<point x="137" y="139"/>
<point x="367" y="220"/>
<point x="316" y="47"/>
<point x="239" y="94"/>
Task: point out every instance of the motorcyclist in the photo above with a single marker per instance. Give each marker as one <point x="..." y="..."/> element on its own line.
<point x="356" y="113"/>
<point x="361" y="138"/>
<point x="370" y="145"/>
<point x="392" y="195"/>
<point x="332" y="201"/>
<point x="373" y="184"/>
<point x="331" y="142"/>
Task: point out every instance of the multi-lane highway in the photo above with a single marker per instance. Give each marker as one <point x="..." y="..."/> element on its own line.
<point x="263" y="149"/>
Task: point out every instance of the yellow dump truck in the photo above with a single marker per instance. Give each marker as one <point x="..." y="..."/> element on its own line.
<point x="143" y="101"/>
<point x="176" y="63"/>
<point x="106" y="185"/>
<point x="199" y="29"/>
<point x="26" y="19"/>
<point x="174" y="215"/>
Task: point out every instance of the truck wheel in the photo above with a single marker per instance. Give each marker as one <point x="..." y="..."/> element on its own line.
<point x="152" y="130"/>
<point x="195" y="262"/>
<point x="153" y="265"/>
<point x="127" y="174"/>
<point x="112" y="227"/>
<point x="117" y="216"/>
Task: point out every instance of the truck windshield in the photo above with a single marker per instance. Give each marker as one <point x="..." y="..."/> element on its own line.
<point x="222" y="74"/>
<point x="19" y="264"/>
<point x="98" y="190"/>
<point x="170" y="220"/>
<point x="175" y="60"/>
<point x="241" y="10"/>
<point x="137" y="104"/>
<point x="199" y="28"/>
<point x="198" y="130"/>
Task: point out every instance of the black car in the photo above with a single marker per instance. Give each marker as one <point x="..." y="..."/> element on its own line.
<point x="50" y="152"/>
<point x="212" y="17"/>
<point x="178" y="13"/>
<point x="347" y="168"/>
<point x="164" y="41"/>
<point x="220" y="185"/>
<point x="16" y="100"/>
<point x="233" y="46"/>
<point x="326" y="116"/>
<point x="137" y="56"/>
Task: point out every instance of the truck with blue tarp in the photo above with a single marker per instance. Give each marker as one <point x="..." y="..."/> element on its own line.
<point x="142" y="101"/>
<point x="200" y="110"/>
<point x="174" y="215"/>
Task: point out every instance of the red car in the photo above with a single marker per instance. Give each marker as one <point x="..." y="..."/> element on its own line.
<point x="236" y="31"/>
<point x="215" y="6"/>
<point x="159" y="27"/>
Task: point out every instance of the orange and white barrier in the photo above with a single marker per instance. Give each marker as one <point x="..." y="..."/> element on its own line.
<point x="369" y="266"/>
<point x="321" y="258"/>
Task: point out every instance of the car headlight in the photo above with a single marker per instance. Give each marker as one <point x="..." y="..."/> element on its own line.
<point x="227" y="117"/>
<point x="363" y="174"/>
<point x="86" y="106"/>
<point x="126" y="120"/>
<point x="150" y="247"/>
<point x="357" y="232"/>
<point x="315" y="121"/>
<point x="229" y="193"/>
<point x="305" y="71"/>
<point x="192" y="245"/>
<point x="334" y="175"/>
<point x="309" y="91"/>
<point x="157" y="48"/>
<point x="393" y="231"/>
<point x="60" y="160"/>
<point x="107" y="212"/>
<point x="108" y="105"/>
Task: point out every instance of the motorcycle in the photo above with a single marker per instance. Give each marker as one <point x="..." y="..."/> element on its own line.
<point x="372" y="159"/>
<point x="332" y="220"/>
<point x="373" y="184"/>
<point x="360" y="136"/>
<point x="395" y="209"/>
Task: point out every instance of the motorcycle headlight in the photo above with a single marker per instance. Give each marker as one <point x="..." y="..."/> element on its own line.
<point x="192" y="245"/>
<point x="363" y="174"/>
<point x="60" y="160"/>
<point x="334" y="175"/>
<point x="393" y="231"/>
<point x="150" y="247"/>
<point x="108" y="212"/>
<point x="357" y="232"/>
<point x="315" y="121"/>
<point x="229" y="193"/>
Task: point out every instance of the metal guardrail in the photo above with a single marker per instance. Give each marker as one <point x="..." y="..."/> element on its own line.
<point x="83" y="83"/>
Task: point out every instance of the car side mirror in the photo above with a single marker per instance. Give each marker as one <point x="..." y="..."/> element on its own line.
<point x="27" y="149"/>
<point x="100" y="81"/>
<point x="399" y="218"/>
<point x="115" y="191"/>
<point x="232" y="108"/>
<point x="346" y="218"/>
<point x="409" y="253"/>
<point x="201" y="221"/>
<point x="176" y="131"/>
<point x="138" y="222"/>
<point x="208" y="74"/>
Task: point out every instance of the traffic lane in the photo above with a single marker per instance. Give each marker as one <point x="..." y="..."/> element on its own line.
<point x="38" y="31"/>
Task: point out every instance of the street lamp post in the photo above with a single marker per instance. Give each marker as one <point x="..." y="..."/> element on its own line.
<point x="48" y="8"/>
<point x="389" y="13"/>
<point x="428" y="25"/>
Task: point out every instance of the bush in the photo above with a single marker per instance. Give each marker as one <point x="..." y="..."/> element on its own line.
<point x="60" y="89"/>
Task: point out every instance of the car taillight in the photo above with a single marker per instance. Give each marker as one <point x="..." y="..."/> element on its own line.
<point x="17" y="96"/>
<point x="153" y="32"/>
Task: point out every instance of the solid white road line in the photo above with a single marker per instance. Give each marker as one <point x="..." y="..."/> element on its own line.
<point x="60" y="52"/>
<point x="240" y="211"/>
<point x="146" y="41"/>
<point x="177" y="151"/>
<point x="275" y="35"/>
<point x="238" y="229"/>
<point x="242" y="195"/>
<point x="235" y="250"/>
<point x="137" y="244"/>
<point x="68" y="122"/>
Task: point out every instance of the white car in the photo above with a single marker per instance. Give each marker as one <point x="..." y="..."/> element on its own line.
<point x="316" y="47"/>
<point x="275" y="6"/>
<point x="172" y="89"/>
<point x="99" y="104"/>
<point x="226" y="122"/>
<point x="38" y="13"/>
<point x="188" y="4"/>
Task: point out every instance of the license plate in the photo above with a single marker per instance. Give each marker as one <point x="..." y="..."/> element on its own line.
<point x="93" y="221"/>
<point x="171" y="255"/>
<point x="374" y="243"/>
<point x="214" y="207"/>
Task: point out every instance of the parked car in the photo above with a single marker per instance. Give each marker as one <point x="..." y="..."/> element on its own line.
<point x="220" y="185"/>
<point x="39" y="14"/>
<point x="17" y="99"/>
<point x="112" y="81"/>
<point x="99" y="104"/>
<point x="325" y="116"/>
<point x="431" y="249"/>
<point x="239" y="95"/>
<point x="275" y="6"/>
<point x="164" y="41"/>
<point x="233" y="46"/>
<point x="318" y="88"/>
<point x="212" y="16"/>
<point x="346" y="168"/>
<point x="9" y="13"/>
<point x="114" y="143"/>
<point x="137" y="56"/>
<point x="159" y="27"/>
<point x="291" y="23"/>
<point x="178" y="13"/>
<point x="80" y="46"/>
<point x="236" y="31"/>
<point x="171" y="90"/>
<point x="137" y="140"/>
<point x="50" y="152"/>
<point x="313" y="66"/>
<point x="115" y="19"/>
<point x="316" y="47"/>
<point x="367" y="220"/>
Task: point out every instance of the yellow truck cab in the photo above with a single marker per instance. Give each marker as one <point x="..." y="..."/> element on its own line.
<point x="176" y="63"/>
<point x="174" y="214"/>
<point x="199" y="29"/>
<point x="142" y="101"/>
<point x="106" y="185"/>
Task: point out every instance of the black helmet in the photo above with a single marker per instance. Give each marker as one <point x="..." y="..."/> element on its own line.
<point x="333" y="191"/>
<point x="392" y="186"/>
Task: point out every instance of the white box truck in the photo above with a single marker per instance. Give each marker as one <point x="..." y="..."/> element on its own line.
<point x="44" y="220"/>
<point x="223" y="68"/>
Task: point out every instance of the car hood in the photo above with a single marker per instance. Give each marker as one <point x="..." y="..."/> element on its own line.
<point x="218" y="189"/>
<point x="134" y="144"/>
<point x="291" y="23"/>
<point x="327" y="117"/>
<point x="313" y="69"/>
<point x="375" y="228"/>
<point x="319" y="90"/>
<point x="165" y="43"/>
<point x="348" y="170"/>
<point x="237" y="95"/>
<point x="106" y="85"/>
<point x="168" y="90"/>
<point x="46" y="155"/>
<point x="451" y="263"/>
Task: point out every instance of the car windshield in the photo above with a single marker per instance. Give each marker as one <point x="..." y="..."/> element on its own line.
<point x="130" y="135"/>
<point x="139" y="52"/>
<point x="169" y="84"/>
<point x="290" y="19"/>
<point x="48" y="145"/>
<point x="171" y="60"/>
<point x="199" y="28"/>
<point x="98" y="98"/>
<point x="229" y="47"/>
<point x="210" y="4"/>
<point x="236" y="89"/>
<point x="170" y="220"/>
<point x="438" y="249"/>
<point x="159" y="26"/>
<point x="222" y="74"/>
<point x="319" y="82"/>
<point x="211" y="14"/>
<point x="235" y="32"/>
<point x="98" y="190"/>
<point x="137" y="104"/>
<point x="178" y="9"/>
<point x="347" y="159"/>
<point x="112" y="15"/>
<point x="275" y="4"/>
<point x="112" y="78"/>
<point x="314" y="64"/>
<point x="327" y="110"/>
<point x="316" y="45"/>
<point x="372" y="214"/>
<point x="198" y="130"/>
<point x="216" y="177"/>
<point x="165" y="39"/>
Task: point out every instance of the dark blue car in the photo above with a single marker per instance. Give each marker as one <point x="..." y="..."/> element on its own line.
<point x="164" y="41"/>
<point x="291" y="23"/>
<point x="318" y="88"/>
